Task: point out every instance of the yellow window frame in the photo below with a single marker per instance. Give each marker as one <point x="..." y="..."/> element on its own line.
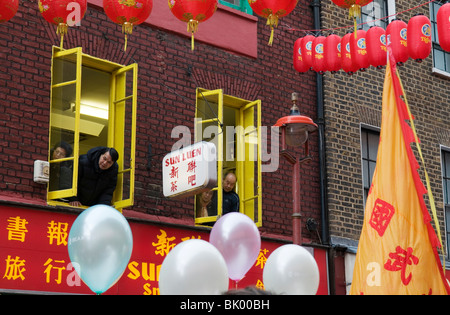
<point x="117" y="126"/>
<point x="74" y="54"/>
<point x="248" y="149"/>
<point x="121" y="121"/>
<point x="214" y="97"/>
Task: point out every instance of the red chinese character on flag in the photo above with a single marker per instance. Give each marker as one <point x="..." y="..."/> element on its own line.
<point x="400" y="260"/>
<point x="381" y="216"/>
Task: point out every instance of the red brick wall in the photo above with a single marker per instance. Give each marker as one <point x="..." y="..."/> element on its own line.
<point x="166" y="98"/>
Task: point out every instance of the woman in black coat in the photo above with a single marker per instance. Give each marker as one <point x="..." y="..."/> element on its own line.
<point x="97" y="177"/>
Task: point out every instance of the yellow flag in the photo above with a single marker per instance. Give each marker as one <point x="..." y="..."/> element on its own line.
<point x="397" y="251"/>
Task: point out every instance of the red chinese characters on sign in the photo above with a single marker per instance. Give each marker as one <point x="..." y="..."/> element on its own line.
<point x="15" y="268"/>
<point x="191" y="169"/>
<point x="20" y="267"/>
<point x="382" y="214"/>
<point x="17" y="229"/>
<point x="399" y="260"/>
<point x="173" y="175"/>
<point x="164" y="244"/>
<point x="34" y="255"/>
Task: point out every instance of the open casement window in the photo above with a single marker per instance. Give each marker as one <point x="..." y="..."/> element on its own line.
<point x="93" y="103"/>
<point x="234" y="126"/>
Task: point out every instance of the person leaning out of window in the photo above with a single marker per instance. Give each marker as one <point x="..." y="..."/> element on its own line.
<point x="97" y="177"/>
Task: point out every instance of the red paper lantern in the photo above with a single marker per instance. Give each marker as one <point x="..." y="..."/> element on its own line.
<point x="8" y="8"/>
<point x="193" y="13"/>
<point x="63" y="13"/>
<point x="272" y="10"/>
<point x="354" y="7"/>
<point x="376" y="46"/>
<point x="347" y="62"/>
<point x="358" y="50"/>
<point x="397" y="39"/>
<point x="318" y="55"/>
<point x="306" y="46"/>
<point x="128" y="13"/>
<point x="332" y="48"/>
<point x="419" y="37"/>
<point x="443" y="26"/>
<point x="299" y="61"/>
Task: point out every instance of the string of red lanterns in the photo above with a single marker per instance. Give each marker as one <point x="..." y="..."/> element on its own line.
<point x="365" y="49"/>
<point x="133" y="12"/>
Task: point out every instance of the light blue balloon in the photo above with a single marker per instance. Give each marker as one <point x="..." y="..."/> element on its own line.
<point x="100" y="246"/>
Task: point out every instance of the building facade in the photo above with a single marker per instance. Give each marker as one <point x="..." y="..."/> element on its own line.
<point x="353" y="121"/>
<point x="231" y="54"/>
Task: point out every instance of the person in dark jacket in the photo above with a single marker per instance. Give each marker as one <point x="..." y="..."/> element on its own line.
<point x="60" y="173"/>
<point x="97" y="177"/>
<point x="230" y="199"/>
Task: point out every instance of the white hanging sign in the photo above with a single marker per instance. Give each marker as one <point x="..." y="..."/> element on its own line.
<point x="190" y="170"/>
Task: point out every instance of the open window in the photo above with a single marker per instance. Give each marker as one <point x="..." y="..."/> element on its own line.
<point x="93" y="103"/>
<point x="234" y="126"/>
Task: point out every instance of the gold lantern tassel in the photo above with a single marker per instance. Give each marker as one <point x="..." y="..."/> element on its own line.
<point x="127" y="28"/>
<point x="272" y="20"/>
<point x="62" y="30"/>
<point x="192" y="27"/>
<point x="355" y="12"/>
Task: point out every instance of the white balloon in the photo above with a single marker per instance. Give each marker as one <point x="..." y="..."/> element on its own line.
<point x="193" y="267"/>
<point x="291" y="270"/>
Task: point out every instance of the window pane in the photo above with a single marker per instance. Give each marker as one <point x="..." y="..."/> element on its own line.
<point x="235" y="2"/>
<point x="447" y="164"/>
<point x="364" y="144"/>
<point x="373" y="146"/>
<point x="372" y="166"/>
<point x="94" y="109"/>
<point x="447" y="62"/>
<point x="369" y="145"/>
<point x="447" y="191"/>
<point x="447" y="217"/>
<point x="371" y="13"/>
<point x="207" y="129"/>
<point x="62" y="124"/>
<point x="366" y="178"/>
<point x="439" y="61"/>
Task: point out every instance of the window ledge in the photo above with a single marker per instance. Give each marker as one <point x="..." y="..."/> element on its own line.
<point x="228" y="29"/>
<point x="440" y="73"/>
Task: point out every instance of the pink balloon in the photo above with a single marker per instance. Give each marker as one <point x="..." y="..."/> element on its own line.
<point x="237" y="238"/>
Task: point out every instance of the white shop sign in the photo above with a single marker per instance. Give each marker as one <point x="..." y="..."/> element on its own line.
<point x="190" y="170"/>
